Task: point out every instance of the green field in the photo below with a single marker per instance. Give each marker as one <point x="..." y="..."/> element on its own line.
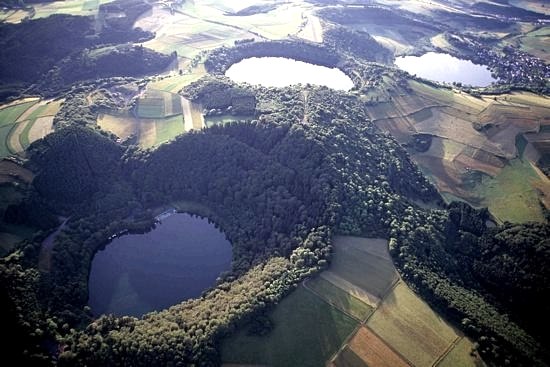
<point x="9" y="115"/>
<point x="369" y="271"/>
<point x="148" y="132"/>
<point x="150" y="107"/>
<point x="307" y="332"/>
<point x="4" y="136"/>
<point x="339" y="298"/>
<point x="411" y="327"/>
<point x="159" y="104"/>
<point x="168" y="128"/>
<point x="510" y="195"/>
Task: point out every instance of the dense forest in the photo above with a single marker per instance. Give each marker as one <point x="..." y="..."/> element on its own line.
<point x="319" y="158"/>
<point x="307" y="164"/>
<point x="62" y="49"/>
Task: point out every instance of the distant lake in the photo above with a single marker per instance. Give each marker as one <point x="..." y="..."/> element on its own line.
<point x="282" y="72"/>
<point x="178" y="260"/>
<point x="446" y="68"/>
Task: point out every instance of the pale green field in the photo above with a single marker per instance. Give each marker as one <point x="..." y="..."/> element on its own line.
<point x="10" y="114"/>
<point x="307" y="332"/>
<point x="339" y="298"/>
<point x="411" y="327"/>
<point x="148" y="132"/>
<point x="73" y="7"/>
<point x="367" y="270"/>
<point x="511" y="196"/>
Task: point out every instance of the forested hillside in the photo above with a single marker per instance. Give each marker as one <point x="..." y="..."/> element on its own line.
<point x="280" y="187"/>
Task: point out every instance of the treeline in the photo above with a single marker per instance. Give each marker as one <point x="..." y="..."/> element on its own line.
<point x="449" y="257"/>
<point x="417" y="25"/>
<point x="93" y="64"/>
<point x="280" y="186"/>
<point x="220" y="59"/>
<point x="357" y="44"/>
<point x="252" y="176"/>
<point x="220" y="93"/>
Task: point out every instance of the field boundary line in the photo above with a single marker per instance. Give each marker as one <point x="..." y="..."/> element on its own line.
<point x="406" y="360"/>
<point x="411" y="113"/>
<point x="318" y="295"/>
<point x="447" y="351"/>
<point x="344" y="344"/>
<point x="387" y="291"/>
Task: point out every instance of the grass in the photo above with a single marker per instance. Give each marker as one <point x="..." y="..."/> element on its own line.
<point x="149" y="132"/>
<point x="4" y="136"/>
<point x="168" y="128"/>
<point x="40" y="128"/>
<point x="10" y="114"/>
<point x="151" y="107"/>
<point x="462" y="356"/>
<point x="24" y="136"/>
<point x="340" y="299"/>
<point x="406" y="323"/>
<point x="348" y="358"/>
<point x="367" y="270"/>
<point x="121" y="126"/>
<point x="510" y="196"/>
<point x="422" y="115"/>
<point x="307" y="332"/>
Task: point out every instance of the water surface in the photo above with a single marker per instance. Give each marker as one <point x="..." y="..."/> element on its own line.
<point x="282" y="72"/>
<point x="140" y="273"/>
<point x="446" y="68"/>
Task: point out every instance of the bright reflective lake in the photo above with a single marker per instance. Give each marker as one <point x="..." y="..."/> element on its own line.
<point x="178" y="260"/>
<point x="282" y="72"/>
<point x="446" y="68"/>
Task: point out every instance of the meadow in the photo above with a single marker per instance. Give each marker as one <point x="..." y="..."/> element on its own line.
<point x="147" y="132"/>
<point x="411" y="327"/>
<point x="306" y="332"/>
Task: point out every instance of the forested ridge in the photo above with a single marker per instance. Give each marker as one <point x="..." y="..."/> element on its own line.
<point x="55" y="52"/>
<point x="308" y="165"/>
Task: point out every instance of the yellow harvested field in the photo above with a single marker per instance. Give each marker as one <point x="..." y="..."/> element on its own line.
<point x="121" y="126"/>
<point x="14" y="142"/>
<point x="42" y="127"/>
<point x="444" y="149"/>
<point x="446" y="126"/>
<point x="25" y="115"/>
<point x="374" y="351"/>
<point x="410" y="326"/>
<point x="147" y="133"/>
<point x="52" y="107"/>
<point x="312" y="30"/>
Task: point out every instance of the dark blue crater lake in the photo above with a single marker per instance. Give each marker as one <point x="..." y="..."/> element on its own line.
<point x="178" y="260"/>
